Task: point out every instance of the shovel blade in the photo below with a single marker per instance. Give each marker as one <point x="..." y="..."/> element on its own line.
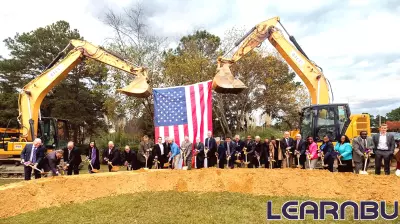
<point x="115" y="169"/>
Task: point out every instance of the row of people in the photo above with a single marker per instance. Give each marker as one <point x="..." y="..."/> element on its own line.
<point x="274" y="153"/>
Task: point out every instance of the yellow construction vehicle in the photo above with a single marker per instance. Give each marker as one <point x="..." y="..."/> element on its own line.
<point x="54" y="132"/>
<point x="319" y="119"/>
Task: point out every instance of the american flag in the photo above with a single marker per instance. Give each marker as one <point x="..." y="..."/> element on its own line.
<point x="183" y="111"/>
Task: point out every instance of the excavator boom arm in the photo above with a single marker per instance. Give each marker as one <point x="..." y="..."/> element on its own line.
<point x="34" y="92"/>
<point x="312" y="77"/>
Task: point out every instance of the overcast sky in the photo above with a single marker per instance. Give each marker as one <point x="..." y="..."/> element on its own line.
<point x="357" y="43"/>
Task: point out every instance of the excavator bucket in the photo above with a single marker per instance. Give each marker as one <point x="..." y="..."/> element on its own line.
<point x="225" y="82"/>
<point x="137" y="88"/>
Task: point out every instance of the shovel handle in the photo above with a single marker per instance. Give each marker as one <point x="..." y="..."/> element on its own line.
<point x="365" y="163"/>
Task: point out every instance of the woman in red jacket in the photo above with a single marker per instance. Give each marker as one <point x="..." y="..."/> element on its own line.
<point x="312" y="153"/>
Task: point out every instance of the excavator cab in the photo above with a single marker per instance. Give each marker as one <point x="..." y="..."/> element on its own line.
<point x="224" y="81"/>
<point x="53" y="132"/>
<point x="325" y="119"/>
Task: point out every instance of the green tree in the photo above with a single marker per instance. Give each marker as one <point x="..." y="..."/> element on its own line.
<point x="77" y="98"/>
<point x="394" y="115"/>
<point x="193" y="60"/>
<point x="132" y="40"/>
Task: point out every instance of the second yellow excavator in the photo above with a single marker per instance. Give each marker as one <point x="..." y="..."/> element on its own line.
<point x="319" y="119"/>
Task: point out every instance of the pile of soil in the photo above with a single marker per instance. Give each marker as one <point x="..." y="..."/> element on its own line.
<point x="31" y="195"/>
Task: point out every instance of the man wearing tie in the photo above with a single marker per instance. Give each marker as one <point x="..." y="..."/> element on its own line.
<point x="112" y="156"/>
<point x="239" y="145"/>
<point x="72" y="157"/>
<point x="159" y="150"/>
<point x="360" y="145"/>
<point x="248" y="145"/>
<point x="167" y="150"/>
<point x="186" y="147"/>
<point x="199" y="152"/>
<point x="299" y="150"/>
<point x="212" y="146"/>
<point x="51" y="162"/>
<point x="221" y="153"/>
<point x="384" y="147"/>
<point x="287" y="146"/>
<point x="254" y="153"/>
<point x="145" y="152"/>
<point x="32" y="155"/>
<point x="230" y="151"/>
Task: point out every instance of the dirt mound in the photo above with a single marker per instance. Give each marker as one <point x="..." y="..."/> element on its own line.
<point x="21" y="197"/>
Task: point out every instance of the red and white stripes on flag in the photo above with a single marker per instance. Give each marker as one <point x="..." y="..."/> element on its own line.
<point x="183" y="111"/>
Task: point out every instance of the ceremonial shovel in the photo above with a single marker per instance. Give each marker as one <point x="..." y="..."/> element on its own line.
<point x="156" y="162"/>
<point x="205" y="157"/>
<point x="184" y="167"/>
<point x="340" y="161"/>
<point x="41" y="171"/>
<point x="146" y="157"/>
<point x="93" y="170"/>
<point x="365" y="163"/>
<point x="287" y="156"/>
<point x="258" y="159"/>
<point x="309" y="159"/>
<point x="245" y="156"/>
<point x="298" y="160"/>
<point x="113" y="168"/>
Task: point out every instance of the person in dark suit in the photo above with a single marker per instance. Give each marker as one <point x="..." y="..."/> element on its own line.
<point x="248" y="146"/>
<point x="199" y="152"/>
<point x="329" y="155"/>
<point x="167" y="150"/>
<point x="287" y="146"/>
<point x="72" y="157"/>
<point x="93" y="155"/>
<point x="230" y="151"/>
<point x="239" y="145"/>
<point x="51" y="162"/>
<point x="256" y="149"/>
<point x="145" y="152"/>
<point x="265" y="153"/>
<point x="129" y="159"/>
<point x="362" y="145"/>
<point x="160" y="150"/>
<point x="211" y="144"/>
<point x="32" y="154"/>
<point x="299" y="150"/>
<point x="221" y="153"/>
<point x="112" y="156"/>
<point x="384" y="145"/>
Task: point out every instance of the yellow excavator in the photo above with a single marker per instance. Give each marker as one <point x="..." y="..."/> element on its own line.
<point x="319" y="119"/>
<point x="54" y="132"/>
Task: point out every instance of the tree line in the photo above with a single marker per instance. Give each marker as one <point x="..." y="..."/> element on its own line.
<point x="87" y="97"/>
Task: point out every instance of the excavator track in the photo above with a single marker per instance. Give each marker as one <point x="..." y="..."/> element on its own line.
<point x="11" y="171"/>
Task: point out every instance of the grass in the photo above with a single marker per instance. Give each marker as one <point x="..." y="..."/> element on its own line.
<point x="165" y="207"/>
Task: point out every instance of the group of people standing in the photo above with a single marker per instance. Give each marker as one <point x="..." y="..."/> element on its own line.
<point x="272" y="153"/>
<point x="359" y="152"/>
